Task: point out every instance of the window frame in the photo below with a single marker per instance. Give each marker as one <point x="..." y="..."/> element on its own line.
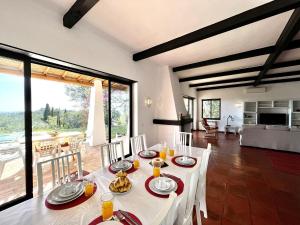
<point x="212" y="99"/>
<point x="190" y="99"/>
<point x="29" y="58"/>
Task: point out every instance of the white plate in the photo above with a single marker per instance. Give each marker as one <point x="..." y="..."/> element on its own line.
<point x="167" y="183"/>
<point x="187" y="162"/>
<point x="55" y="199"/>
<point x="69" y="189"/>
<point x="173" y="187"/>
<point x="149" y="153"/>
<point x="127" y="165"/>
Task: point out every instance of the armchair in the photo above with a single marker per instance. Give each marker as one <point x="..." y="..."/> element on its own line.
<point x="211" y="131"/>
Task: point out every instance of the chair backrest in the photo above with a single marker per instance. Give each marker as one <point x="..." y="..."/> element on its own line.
<point x="167" y="215"/>
<point x="182" y="138"/>
<point x="60" y="169"/>
<point x="138" y="143"/>
<point x="201" y="188"/>
<point x="110" y="152"/>
<point x="75" y="143"/>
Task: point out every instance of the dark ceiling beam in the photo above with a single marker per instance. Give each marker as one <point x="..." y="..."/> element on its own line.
<point x="239" y="71"/>
<point x="77" y="11"/>
<point x="251" y="78"/>
<point x="237" y="56"/>
<point x="250" y="16"/>
<point x="287" y="35"/>
<point x="250" y="84"/>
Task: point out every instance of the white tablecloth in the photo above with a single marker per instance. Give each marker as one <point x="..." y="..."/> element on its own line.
<point x="138" y="201"/>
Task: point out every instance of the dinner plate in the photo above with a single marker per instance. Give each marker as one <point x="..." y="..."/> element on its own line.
<point x="188" y="161"/>
<point x="149" y="153"/>
<point x="111" y="223"/>
<point x="55" y="199"/>
<point x="167" y="184"/>
<point x="117" y="167"/>
<point x="69" y="189"/>
<point x="173" y="187"/>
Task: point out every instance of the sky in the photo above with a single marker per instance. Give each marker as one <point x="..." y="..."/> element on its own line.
<point x="43" y="91"/>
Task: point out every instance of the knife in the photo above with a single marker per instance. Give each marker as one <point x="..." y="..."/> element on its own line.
<point x="128" y="217"/>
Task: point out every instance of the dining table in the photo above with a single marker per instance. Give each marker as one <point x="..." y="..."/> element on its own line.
<point x="137" y="201"/>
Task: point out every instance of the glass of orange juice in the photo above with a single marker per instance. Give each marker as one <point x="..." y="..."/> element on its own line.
<point x="156" y="171"/>
<point x="163" y="155"/>
<point x="88" y="189"/>
<point x="171" y="152"/>
<point x="136" y="162"/>
<point x="107" y="206"/>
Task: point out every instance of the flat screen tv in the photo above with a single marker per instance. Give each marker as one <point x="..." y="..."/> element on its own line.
<point x="273" y="118"/>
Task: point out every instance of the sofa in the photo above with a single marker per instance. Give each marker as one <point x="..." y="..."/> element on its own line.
<point x="271" y="136"/>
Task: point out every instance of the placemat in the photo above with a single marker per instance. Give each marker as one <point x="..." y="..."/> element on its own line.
<point x="131" y="170"/>
<point x="186" y="166"/>
<point x="71" y="204"/>
<point x="99" y="220"/>
<point x="176" y="179"/>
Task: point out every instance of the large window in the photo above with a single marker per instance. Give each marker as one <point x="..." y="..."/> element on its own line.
<point x="211" y="109"/>
<point x="49" y="104"/>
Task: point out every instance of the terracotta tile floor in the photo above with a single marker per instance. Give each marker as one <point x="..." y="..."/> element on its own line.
<point x="244" y="189"/>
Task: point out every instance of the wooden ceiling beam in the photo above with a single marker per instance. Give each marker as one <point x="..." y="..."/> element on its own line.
<point x="250" y="16"/>
<point x="240" y="71"/>
<point x="251" y="78"/>
<point x="287" y="35"/>
<point x="295" y="79"/>
<point x="77" y="11"/>
<point x="238" y="56"/>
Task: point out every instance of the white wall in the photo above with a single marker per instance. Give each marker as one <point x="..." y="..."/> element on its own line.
<point x="232" y="99"/>
<point x="37" y="26"/>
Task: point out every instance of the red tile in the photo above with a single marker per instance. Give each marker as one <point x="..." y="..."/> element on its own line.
<point x="237" y="210"/>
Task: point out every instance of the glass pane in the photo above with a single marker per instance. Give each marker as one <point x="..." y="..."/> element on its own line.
<point x="12" y="130"/>
<point x="61" y="119"/>
<point x="105" y="107"/>
<point x="191" y="107"/>
<point x="206" y="109"/>
<point x="120" y="109"/>
<point x="215" y="107"/>
<point x="186" y="103"/>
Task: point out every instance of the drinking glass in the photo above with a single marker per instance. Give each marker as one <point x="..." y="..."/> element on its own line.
<point x="171" y="152"/>
<point x="107" y="206"/>
<point x="163" y="155"/>
<point x="156" y="171"/>
<point x="136" y="162"/>
<point x="88" y="188"/>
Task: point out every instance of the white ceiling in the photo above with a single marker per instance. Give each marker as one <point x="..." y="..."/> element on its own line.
<point x="141" y="24"/>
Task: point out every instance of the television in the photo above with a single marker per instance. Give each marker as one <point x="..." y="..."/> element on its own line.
<point x="273" y="118"/>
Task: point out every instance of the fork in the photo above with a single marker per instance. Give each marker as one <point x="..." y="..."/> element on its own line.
<point x="121" y="217"/>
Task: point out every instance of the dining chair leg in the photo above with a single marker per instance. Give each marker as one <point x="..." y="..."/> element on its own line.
<point x="198" y="214"/>
<point x="203" y="207"/>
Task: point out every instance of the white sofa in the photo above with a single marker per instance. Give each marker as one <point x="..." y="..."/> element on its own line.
<point x="271" y="137"/>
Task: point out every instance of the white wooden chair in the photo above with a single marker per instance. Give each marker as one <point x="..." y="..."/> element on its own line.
<point x="60" y="169"/>
<point x="138" y="143"/>
<point x="200" y="202"/>
<point x="191" y="182"/>
<point x="182" y="138"/>
<point x="109" y="151"/>
<point x="167" y="215"/>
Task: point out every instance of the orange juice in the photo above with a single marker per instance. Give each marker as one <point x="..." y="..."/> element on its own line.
<point x="156" y="171"/>
<point x="136" y="163"/>
<point x="171" y="152"/>
<point x="107" y="210"/>
<point x="163" y="155"/>
<point x="88" y="189"/>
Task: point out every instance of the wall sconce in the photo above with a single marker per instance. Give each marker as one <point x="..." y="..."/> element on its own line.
<point x="148" y="102"/>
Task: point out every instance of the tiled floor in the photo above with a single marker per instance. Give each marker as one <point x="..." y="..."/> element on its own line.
<point x="243" y="188"/>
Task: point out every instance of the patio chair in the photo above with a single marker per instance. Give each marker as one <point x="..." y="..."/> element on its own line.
<point x="46" y="148"/>
<point x="167" y="215"/>
<point x="110" y="151"/>
<point x="200" y="202"/>
<point x="182" y="138"/>
<point x="10" y="153"/>
<point x="60" y="170"/>
<point x="210" y="131"/>
<point x="138" y="143"/>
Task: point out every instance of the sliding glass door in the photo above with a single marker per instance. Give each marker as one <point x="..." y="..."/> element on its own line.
<point x="12" y="132"/>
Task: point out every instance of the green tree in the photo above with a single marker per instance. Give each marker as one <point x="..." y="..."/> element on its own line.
<point x="52" y="112"/>
<point x="46" y="112"/>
